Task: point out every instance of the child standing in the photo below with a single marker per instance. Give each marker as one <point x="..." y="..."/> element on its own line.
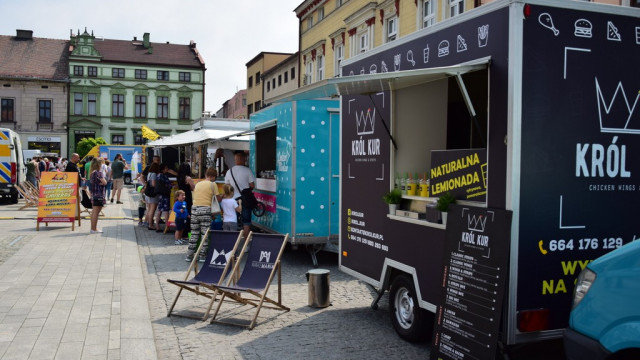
<point x="182" y="214"/>
<point x="142" y="206"/>
<point x="229" y="207"/>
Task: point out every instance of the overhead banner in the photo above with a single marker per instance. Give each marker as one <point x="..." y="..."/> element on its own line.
<point x="463" y="173"/>
<point x="58" y="197"/>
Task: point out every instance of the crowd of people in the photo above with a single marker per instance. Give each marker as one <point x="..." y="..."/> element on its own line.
<point x="193" y="201"/>
<point x="103" y="181"/>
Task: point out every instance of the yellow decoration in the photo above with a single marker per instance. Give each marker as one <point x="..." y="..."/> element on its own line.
<point x="147" y="133"/>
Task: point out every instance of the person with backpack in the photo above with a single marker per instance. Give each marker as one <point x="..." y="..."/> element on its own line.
<point x="242" y="179"/>
<point x="163" y="191"/>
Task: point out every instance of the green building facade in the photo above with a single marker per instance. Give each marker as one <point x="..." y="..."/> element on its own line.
<point x="116" y="86"/>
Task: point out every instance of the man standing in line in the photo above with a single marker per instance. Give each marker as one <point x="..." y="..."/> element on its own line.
<point x="33" y="173"/>
<point x="117" y="174"/>
<point x="241" y="177"/>
<point x="72" y="165"/>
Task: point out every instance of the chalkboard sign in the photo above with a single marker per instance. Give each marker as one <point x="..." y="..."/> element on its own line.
<point x="473" y="280"/>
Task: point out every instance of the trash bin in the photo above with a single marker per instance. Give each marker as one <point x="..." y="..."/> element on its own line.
<point x="318" y="287"/>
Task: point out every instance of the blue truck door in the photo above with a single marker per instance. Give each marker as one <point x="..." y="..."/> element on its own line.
<point x="334" y="168"/>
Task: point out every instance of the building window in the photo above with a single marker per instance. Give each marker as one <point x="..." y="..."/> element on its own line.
<point x="273" y="83"/>
<point x="117" y="109"/>
<point x="256" y="106"/>
<point x="185" y="108"/>
<point x="250" y="81"/>
<point x="117" y="72"/>
<point x="456" y="7"/>
<point x="320" y="14"/>
<point x="117" y="139"/>
<point x="77" y="104"/>
<point x="139" y="140"/>
<point x="185" y="77"/>
<point x="428" y="13"/>
<point x="308" y="75"/>
<point x="92" y="71"/>
<point x="163" y="107"/>
<point x="163" y="75"/>
<point x="286" y="77"/>
<point x="258" y="78"/>
<point x="268" y="86"/>
<point x="339" y="3"/>
<point x="310" y="22"/>
<point x="141" y="106"/>
<point x="363" y="43"/>
<point x="78" y="70"/>
<point x="279" y="80"/>
<point x="293" y="73"/>
<point x="8" y="110"/>
<point x="338" y="54"/>
<point x="392" y="28"/>
<point x="141" y="74"/>
<point x="91" y="105"/>
<point x="44" y="113"/>
<point x="319" y="67"/>
<point x="249" y="109"/>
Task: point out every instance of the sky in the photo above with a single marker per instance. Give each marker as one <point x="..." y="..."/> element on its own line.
<point x="227" y="33"/>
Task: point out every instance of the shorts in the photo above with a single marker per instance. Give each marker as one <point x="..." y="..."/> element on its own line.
<point x="163" y="204"/>
<point x="180" y="224"/>
<point x="97" y="201"/>
<point x="246" y="216"/>
<point x="230" y="226"/>
<point x="151" y="200"/>
<point x="118" y="184"/>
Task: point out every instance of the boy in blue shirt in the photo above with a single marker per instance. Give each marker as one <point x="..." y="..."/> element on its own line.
<point x="182" y="214"/>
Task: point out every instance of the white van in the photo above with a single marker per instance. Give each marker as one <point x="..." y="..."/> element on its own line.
<point x="12" y="168"/>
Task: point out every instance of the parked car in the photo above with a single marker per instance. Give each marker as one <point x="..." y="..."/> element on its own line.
<point x="605" y="318"/>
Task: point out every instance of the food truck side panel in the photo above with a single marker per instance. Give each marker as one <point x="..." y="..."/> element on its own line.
<point x="277" y="147"/>
<point x="580" y="161"/>
<point x="369" y="238"/>
<point x="302" y="149"/>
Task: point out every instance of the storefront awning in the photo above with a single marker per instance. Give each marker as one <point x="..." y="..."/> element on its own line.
<point x="369" y="83"/>
<point x="194" y="136"/>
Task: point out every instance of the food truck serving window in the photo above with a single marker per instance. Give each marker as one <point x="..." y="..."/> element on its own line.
<point x="265" y="138"/>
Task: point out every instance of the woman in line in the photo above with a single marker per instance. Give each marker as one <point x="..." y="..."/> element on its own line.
<point x="186" y="184"/>
<point x="107" y="171"/>
<point x="152" y="201"/>
<point x="97" y="185"/>
<point x="203" y="193"/>
<point x="164" y="205"/>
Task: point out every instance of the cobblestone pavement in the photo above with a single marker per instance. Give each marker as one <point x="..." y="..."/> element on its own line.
<point x="348" y="329"/>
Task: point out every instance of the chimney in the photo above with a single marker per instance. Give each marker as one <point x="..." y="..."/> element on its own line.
<point x="145" y="41"/>
<point x="24" y="34"/>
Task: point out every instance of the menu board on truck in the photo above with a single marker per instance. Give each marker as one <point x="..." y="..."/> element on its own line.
<point x="473" y="280"/>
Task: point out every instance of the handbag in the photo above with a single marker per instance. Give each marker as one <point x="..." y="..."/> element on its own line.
<point x="249" y="200"/>
<point x="215" y="205"/>
<point x="150" y="191"/>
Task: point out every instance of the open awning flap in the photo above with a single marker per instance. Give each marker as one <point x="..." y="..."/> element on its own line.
<point x="193" y="136"/>
<point x="371" y="83"/>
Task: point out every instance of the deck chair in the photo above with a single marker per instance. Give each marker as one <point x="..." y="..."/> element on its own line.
<point x="261" y="266"/>
<point x="220" y="259"/>
<point x="29" y="198"/>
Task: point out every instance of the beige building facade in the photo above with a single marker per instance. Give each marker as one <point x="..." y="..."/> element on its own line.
<point x="280" y="79"/>
<point x="255" y="68"/>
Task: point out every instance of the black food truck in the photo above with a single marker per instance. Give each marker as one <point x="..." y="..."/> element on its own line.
<point x="527" y="112"/>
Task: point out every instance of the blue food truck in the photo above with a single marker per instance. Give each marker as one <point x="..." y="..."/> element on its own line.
<point x="295" y="157"/>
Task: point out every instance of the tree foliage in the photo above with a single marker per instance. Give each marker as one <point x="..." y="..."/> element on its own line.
<point x="85" y="145"/>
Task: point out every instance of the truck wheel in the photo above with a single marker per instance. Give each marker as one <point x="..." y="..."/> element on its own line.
<point x="408" y="319"/>
<point x="127" y="180"/>
<point x="14" y="198"/>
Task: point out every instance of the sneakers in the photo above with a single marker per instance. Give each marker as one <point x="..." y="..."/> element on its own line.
<point x="112" y="200"/>
<point x="189" y="258"/>
<point x="178" y="242"/>
<point x="201" y="258"/>
<point x="118" y="202"/>
<point x="96" y="231"/>
<point x="140" y="223"/>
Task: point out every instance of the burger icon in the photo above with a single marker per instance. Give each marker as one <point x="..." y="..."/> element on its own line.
<point x="583" y="28"/>
<point x="443" y="48"/>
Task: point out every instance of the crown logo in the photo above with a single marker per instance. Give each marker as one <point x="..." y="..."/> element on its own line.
<point x="616" y="114"/>
<point x="476" y="223"/>
<point x="219" y="258"/>
<point x="365" y="122"/>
